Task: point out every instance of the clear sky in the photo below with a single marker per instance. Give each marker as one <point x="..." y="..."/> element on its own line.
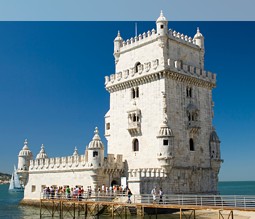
<point x="52" y="86"/>
<point x="131" y="10"/>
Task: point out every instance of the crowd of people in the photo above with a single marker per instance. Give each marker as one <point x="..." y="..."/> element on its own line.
<point x="79" y="193"/>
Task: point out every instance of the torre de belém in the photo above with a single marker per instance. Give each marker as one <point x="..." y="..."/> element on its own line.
<point x="158" y="128"/>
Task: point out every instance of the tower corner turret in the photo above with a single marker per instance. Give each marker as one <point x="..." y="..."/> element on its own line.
<point x="96" y="151"/>
<point x="162" y="25"/>
<point x="199" y="39"/>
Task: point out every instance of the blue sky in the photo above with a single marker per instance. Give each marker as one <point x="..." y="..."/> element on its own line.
<point x="52" y="73"/>
<point x="131" y="10"/>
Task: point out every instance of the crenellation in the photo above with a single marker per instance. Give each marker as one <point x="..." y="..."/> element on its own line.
<point x="76" y="161"/>
<point x="147" y="68"/>
<point x="137" y="40"/>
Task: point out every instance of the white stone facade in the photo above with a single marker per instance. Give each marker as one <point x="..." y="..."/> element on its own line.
<point x="161" y="111"/>
<point x="88" y="170"/>
<point x="159" y="125"/>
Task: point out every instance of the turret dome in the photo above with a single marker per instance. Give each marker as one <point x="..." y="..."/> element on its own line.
<point x="96" y="141"/>
<point x="25" y="150"/>
<point x="165" y="131"/>
<point x="41" y="154"/>
<point x="161" y="18"/>
<point x="198" y="34"/>
<point x="118" y="37"/>
<point x="214" y="137"/>
<point x="75" y="153"/>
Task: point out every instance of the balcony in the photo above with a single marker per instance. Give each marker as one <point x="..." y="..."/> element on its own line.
<point x="134" y="128"/>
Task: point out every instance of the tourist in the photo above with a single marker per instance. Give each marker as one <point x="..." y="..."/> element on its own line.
<point x="129" y="193"/>
<point x="48" y="192"/>
<point x="52" y="192"/>
<point x="161" y="195"/>
<point x="44" y="192"/>
<point x="79" y="194"/>
<point x="68" y="193"/>
<point x="154" y="194"/>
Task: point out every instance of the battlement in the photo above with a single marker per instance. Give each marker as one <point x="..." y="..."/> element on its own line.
<point x="152" y="35"/>
<point x="149" y="69"/>
<point x="73" y="162"/>
<point x="181" y="37"/>
<point x="140" y="39"/>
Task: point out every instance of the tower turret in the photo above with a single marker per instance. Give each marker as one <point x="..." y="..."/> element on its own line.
<point x="162" y="25"/>
<point x="117" y="45"/>
<point x="96" y="151"/>
<point x="166" y="140"/>
<point x="199" y="39"/>
<point x="25" y="155"/>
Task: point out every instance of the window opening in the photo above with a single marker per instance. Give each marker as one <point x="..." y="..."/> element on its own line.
<point x="137" y="67"/>
<point x="136" y="145"/>
<point x="108" y="126"/>
<point x="165" y="142"/>
<point x="137" y="92"/>
<point x="189" y="92"/>
<point x="95" y="153"/>
<point x="191" y="144"/>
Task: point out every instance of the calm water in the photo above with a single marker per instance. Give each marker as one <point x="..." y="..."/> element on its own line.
<point x="9" y="208"/>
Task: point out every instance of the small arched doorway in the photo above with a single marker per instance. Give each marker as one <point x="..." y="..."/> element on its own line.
<point x="113" y="183"/>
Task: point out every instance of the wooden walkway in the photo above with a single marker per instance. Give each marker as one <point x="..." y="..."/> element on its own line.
<point x="187" y="207"/>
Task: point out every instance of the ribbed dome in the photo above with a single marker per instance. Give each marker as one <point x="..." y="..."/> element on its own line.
<point x="161" y="17"/>
<point x="118" y="37"/>
<point x="165" y="131"/>
<point x="96" y="141"/>
<point x="214" y="137"/>
<point x="198" y="34"/>
<point x="42" y="153"/>
<point x="75" y="153"/>
<point x="25" y="150"/>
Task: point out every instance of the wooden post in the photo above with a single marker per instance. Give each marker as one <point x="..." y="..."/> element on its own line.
<point x="61" y="210"/>
<point x="74" y="210"/>
<point x="180" y="213"/>
<point x="41" y="208"/>
<point x="112" y="211"/>
<point x="52" y="213"/>
<point x="86" y="209"/>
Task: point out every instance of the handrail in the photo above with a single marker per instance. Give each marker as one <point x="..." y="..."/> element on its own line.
<point x="220" y="201"/>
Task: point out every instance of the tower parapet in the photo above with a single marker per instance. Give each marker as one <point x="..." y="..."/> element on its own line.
<point x="155" y="68"/>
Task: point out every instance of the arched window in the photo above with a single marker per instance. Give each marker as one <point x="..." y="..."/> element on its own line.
<point x="137" y="66"/>
<point x="137" y="92"/>
<point x="189" y="92"/>
<point x="133" y="93"/>
<point x="135" y="145"/>
<point x="191" y="144"/>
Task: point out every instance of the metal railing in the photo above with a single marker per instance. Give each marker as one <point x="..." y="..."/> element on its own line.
<point x="219" y="201"/>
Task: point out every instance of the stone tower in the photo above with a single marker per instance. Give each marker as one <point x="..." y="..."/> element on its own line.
<point x="161" y="112"/>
